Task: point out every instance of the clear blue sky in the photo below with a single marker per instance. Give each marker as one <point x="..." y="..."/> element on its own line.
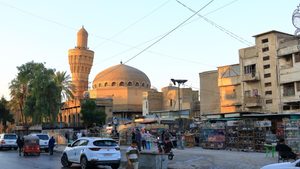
<point x="43" y="31"/>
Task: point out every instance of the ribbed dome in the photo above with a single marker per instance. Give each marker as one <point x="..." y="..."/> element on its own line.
<point x="121" y="75"/>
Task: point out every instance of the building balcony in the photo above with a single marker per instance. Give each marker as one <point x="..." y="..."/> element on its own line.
<point x="254" y="101"/>
<point x="250" y="77"/>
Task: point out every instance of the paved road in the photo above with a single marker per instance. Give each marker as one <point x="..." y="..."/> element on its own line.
<point x="11" y="160"/>
<point x="189" y="158"/>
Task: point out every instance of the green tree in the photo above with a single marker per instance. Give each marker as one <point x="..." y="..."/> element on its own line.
<point x="5" y="115"/>
<point x="90" y="114"/>
<point x="64" y="84"/>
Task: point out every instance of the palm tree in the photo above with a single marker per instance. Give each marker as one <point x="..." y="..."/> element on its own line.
<point x="64" y="83"/>
<point x="5" y="115"/>
<point x="18" y="93"/>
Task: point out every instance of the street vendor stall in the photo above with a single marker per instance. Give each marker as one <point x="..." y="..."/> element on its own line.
<point x="213" y="135"/>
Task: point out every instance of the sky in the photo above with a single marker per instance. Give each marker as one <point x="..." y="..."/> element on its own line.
<point x="44" y="31"/>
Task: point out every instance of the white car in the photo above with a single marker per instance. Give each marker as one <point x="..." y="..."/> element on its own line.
<point x="44" y="140"/>
<point x="8" y="140"/>
<point x="92" y="151"/>
<point x="285" y="165"/>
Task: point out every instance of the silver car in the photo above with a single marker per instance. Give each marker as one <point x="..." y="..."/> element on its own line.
<point x="8" y="140"/>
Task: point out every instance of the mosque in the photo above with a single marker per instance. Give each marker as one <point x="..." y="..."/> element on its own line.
<point x="121" y="91"/>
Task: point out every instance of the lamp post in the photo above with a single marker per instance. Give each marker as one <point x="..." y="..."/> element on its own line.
<point x="179" y="82"/>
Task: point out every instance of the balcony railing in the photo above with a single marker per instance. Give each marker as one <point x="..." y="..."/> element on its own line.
<point x="254" y="101"/>
<point x="250" y="77"/>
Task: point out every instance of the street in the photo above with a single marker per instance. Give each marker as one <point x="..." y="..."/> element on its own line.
<point x="189" y="158"/>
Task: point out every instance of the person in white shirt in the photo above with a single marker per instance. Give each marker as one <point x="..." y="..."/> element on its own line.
<point x="132" y="155"/>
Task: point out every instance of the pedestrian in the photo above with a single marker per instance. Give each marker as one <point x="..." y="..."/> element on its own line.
<point x="67" y="136"/>
<point x="138" y="139"/>
<point x="20" y="143"/>
<point x="133" y="135"/>
<point x="148" y="140"/>
<point x="51" y="145"/>
<point x="284" y="150"/>
<point x="132" y="155"/>
<point x="144" y="135"/>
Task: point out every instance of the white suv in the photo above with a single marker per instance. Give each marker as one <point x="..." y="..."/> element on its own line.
<point x="44" y="140"/>
<point x="8" y="140"/>
<point x="92" y="151"/>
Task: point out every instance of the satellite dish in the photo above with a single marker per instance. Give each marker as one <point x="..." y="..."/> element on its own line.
<point x="296" y="20"/>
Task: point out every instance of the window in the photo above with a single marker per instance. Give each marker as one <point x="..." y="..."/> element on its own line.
<point x="121" y="84"/>
<point x="265" y="40"/>
<point x="288" y="89"/>
<point x="137" y="84"/>
<point x="99" y="85"/>
<point x="171" y="102"/>
<point x="105" y="143"/>
<point x="270" y="101"/>
<point x="129" y="84"/>
<point x="250" y="69"/>
<point x="113" y="84"/>
<point x="265" y="49"/>
<point x="105" y="84"/>
<point x="268" y="84"/>
<point x="266" y="66"/>
<point x="297" y="57"/>
<point x="268" y="93"/>
<point x="255" y="92"/>
<point x="143" y="84"/>
<point x="266" y="58"/>
<point x="286" y="107"/>
<point x="247" y="93"/>
<point x="298" y="86"/>
<point x="267" y="75"/>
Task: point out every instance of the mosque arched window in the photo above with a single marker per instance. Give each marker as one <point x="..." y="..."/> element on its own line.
<point x="137" y="84"/>
<point x="129" y="84"/>
<point x="121" y="84"/>
<point x="147" y="85"/>
<point x="99" y="85"/>
<point x="105" y="84"/>
<point x="113" y="84"/>
<point x="143" y="84"/>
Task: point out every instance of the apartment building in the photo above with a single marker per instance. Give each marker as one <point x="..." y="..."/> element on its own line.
<point x="289" y="74"/>
<point x="266" y="80"/>
<point x="209" y="93"/>
<point x="229" y="83"/>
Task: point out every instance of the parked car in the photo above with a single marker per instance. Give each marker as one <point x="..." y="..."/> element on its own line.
<point x="8" y="140"/>
<point x="285" y="165"/>
<point x="92" y="151"/>
<point x="44" y="140"/>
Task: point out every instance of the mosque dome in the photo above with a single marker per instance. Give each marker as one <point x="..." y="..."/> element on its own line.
<point x="121" y="75"/>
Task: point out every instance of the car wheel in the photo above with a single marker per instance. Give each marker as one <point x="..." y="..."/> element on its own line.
<point x="115" y="166"/>
<point x="65" y="161"/>
<point x="84" y="163"/>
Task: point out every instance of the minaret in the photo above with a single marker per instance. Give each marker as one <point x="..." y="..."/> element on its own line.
<point x="80" y="61"/>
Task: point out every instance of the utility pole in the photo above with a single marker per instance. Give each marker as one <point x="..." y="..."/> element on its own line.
<point x="179" y="82"/>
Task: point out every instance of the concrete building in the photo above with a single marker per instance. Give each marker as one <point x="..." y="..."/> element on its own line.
<point x="229" y="83"/>
<point x="266" y="80"/>
<point x="260" y="73"/>
<point x="289" y="74"/>
<point x="166" y="102"/>
<point x="209" y="93"/>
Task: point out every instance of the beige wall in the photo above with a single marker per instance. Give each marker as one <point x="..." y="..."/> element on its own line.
<point x="209" y="93"/>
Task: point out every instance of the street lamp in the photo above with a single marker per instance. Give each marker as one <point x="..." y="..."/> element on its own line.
<point x="179" y="82"/>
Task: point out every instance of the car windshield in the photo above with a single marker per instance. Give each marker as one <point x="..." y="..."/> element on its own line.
<point x="108" y="143"/>
<point x="10" y="136"/>
<point x="43" y="137"/>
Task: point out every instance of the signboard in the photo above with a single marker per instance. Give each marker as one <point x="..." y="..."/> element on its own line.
<point x="265" y="123"/>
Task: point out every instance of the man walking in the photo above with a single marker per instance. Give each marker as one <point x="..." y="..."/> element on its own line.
<point x="51" y="145"/>
<point x="20" y="143"/>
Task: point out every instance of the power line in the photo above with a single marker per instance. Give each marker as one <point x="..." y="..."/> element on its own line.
<point x="152" y="44"/>
<point x="134" y="23"/>
<point x="231" y="34"/>
<point x="169" y="32"/>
